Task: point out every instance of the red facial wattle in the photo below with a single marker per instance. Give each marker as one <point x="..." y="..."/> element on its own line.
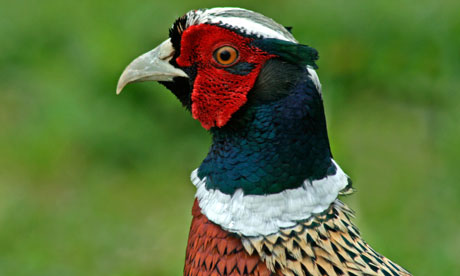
<point x="217" y="92"/>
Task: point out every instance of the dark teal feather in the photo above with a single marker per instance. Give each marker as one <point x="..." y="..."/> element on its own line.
<point x="289" y="51"/>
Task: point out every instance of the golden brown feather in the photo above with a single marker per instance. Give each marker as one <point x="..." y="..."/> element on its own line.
<point x="327" y="244"/>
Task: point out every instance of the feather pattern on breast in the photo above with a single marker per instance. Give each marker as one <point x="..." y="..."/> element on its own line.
<point x="326" y="244"/>
<point x="214" y="251"/>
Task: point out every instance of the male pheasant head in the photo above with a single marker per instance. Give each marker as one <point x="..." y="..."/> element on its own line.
<point x="213" y="59"/>
<point x="248" y="81"/>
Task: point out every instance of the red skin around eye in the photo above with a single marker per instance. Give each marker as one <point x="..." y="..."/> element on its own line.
<point x="217" y="93"/>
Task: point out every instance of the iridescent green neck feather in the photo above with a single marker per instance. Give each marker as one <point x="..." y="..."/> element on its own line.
<point x="276" y="141"/>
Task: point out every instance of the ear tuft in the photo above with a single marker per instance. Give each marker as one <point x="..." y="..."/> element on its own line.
<point x="289" y="51"/>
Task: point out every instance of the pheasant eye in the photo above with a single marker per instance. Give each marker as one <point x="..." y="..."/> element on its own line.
<point x="226" y="55"/>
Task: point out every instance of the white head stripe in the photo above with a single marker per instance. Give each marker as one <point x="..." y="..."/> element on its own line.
<point x="255" y="215"/>
<point x="246" y="21"/>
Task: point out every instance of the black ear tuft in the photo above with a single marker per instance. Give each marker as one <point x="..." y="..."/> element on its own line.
<point x="175" y="33"/>
<point x="289" y="51"/>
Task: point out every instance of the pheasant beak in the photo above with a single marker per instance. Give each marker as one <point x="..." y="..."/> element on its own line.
<point x="151" y="66"/>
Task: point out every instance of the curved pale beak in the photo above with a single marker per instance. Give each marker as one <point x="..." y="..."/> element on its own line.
<point x="151" y="66"/>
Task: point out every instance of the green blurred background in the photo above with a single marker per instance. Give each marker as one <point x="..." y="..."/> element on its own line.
<point x="97" y="184"/>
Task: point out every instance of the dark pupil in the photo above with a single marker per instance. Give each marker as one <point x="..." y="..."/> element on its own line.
<point x="225" y="55"/>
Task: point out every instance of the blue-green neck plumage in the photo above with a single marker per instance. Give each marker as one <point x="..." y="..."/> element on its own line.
<point x="276" y="141"/>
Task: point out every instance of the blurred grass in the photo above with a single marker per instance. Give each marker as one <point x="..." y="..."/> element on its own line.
<point x="94" y="184"/>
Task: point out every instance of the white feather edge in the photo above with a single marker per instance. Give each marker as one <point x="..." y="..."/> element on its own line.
<point x="314" y="77"/>
<point x="255" y="215"/>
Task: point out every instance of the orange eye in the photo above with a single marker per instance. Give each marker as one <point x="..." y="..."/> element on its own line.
<point x="226" y="55"/>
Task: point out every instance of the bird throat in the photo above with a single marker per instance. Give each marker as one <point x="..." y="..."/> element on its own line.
<point x="271" y="146"/>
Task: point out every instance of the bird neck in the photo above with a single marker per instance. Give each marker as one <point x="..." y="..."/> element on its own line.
<point x="270" y="146"/>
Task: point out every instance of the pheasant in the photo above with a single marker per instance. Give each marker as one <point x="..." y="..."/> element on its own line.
<point x="267" y="192"/>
